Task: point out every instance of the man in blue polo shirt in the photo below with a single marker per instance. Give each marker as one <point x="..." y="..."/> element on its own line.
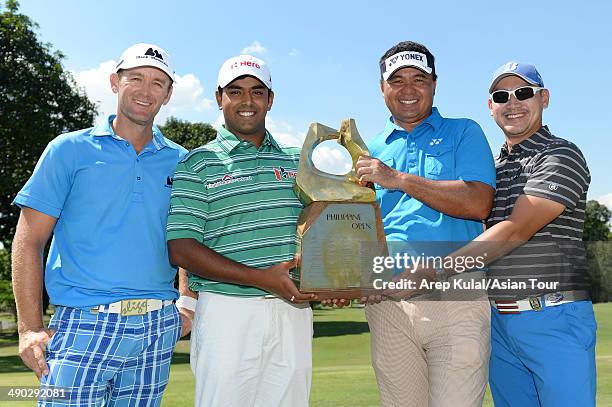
<point x="434" y="180"/>
<point x="104" y="194"/>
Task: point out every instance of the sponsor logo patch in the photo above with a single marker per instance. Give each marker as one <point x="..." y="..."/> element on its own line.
<point x="154" y="53"/>
<point x="535" y="303"/>
<point x="226" y="180"/>
<point x="281" y="174"/>
<point x="554" y="298"/>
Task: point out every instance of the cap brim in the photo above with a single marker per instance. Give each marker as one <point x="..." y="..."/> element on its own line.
<point x="506" y="74"/>
<point x="263" y="82"/>
<point x="130" y="66"/>
<point x="419" y="67"/>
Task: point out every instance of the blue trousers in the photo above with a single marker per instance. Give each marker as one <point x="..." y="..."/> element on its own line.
<point x="544" y="358"/>
<point x="108" y="359"/>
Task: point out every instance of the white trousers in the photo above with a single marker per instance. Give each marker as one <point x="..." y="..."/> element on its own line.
<point x="251" y="352"/>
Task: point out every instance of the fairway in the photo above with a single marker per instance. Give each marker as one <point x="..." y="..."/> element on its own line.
<point x="342" y="374"/>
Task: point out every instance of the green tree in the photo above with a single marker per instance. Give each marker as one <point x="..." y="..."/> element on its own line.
<point x="597" y="222"/>
<point x="189" y="135"/>
<point x="599" y="250"/>
<point x="38" y="101"/>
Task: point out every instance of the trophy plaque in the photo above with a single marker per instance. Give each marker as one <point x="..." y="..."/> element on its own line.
<point x="340" y="229"/>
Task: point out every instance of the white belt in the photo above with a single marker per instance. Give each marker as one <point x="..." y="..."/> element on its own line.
<point x="537" y="303"/>
<point x="132" y="307"/>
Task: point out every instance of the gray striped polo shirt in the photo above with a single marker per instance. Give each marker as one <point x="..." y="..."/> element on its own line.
<point x="554" y="258"/>
<point x="238" y="200"/>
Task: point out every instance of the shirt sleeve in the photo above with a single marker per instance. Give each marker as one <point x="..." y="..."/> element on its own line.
<point x="560" y="174"/>
<point x="474" y="160"/>
<point x="188" y="205"/>
<point x="51" y="181"/>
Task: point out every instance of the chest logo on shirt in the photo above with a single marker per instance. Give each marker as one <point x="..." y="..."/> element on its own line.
<point x="169" y="182"/>
<point x="228" y="179"/>
<point x="281" y="174"/>
<point x="435" y="141"/>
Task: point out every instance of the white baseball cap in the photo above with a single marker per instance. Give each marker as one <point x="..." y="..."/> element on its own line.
<point x="244" y="65"/>
<point x="146" y="55"/>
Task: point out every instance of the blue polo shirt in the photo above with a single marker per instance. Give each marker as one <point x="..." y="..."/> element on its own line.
<point x="111" y="206"/>
<point x="438" y="149"/>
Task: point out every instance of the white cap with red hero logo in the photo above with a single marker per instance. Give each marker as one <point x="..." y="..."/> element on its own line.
<point x="242" y="65"/>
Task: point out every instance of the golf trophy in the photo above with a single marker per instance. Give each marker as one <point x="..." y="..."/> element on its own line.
<point x="340" y="230"/>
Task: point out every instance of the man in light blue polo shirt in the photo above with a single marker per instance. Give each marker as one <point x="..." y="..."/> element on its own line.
<point x="434" y="180"/>
<point x="104" y="194"/>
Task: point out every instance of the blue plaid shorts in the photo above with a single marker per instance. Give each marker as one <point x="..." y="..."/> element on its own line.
<point x="104" y="359"/>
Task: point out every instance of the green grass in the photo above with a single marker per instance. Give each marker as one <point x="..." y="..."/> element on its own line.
<point x="342" y="375"/>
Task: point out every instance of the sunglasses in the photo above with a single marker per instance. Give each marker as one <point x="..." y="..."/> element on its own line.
<point x="523" y="93"/>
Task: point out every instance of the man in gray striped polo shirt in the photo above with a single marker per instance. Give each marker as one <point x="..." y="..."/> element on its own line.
<point x="232" y="224"/>
<point x="543" y="327"/>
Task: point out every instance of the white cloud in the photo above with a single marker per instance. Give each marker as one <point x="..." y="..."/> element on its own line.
<point x="96" y="83"/>
<point x="254" y="48"/>
<point x="606" y="200"/>
<point x="293" y="53"/>
<point x="331" y="157"/>
<point x="187" y="100"/>
<point x="284" y="132"/>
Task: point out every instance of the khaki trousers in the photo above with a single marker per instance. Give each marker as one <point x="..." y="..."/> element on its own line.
<point x="430" y="353"/>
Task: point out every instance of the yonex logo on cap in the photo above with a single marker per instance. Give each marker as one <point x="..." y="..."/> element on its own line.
<point x="408" y="56"/>
<point x="405" y="59"/>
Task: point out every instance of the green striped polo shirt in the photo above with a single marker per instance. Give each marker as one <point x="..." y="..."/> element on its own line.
<point x="239" y="201"/>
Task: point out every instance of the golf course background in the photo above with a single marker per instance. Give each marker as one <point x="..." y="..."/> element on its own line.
<point x="342" y="374"/>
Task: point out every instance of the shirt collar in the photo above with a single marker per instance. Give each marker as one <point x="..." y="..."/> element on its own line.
<point x="105" y="128"/>
<point x="434" y="120"/>
<point x="228" y="141"/>
<point x="536" y="142"/>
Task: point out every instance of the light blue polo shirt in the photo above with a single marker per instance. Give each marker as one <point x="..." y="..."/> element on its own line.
<point x="111" y="206"/>
<point x="438" y="149"/>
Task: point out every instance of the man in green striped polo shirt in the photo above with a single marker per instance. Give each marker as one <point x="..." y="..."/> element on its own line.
<point x="232" y="224"/>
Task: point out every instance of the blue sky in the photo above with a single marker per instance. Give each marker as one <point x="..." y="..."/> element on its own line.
<point x="324" y="58"/>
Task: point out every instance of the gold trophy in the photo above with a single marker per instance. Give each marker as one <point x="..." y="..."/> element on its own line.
<point x="340" y="230"/>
